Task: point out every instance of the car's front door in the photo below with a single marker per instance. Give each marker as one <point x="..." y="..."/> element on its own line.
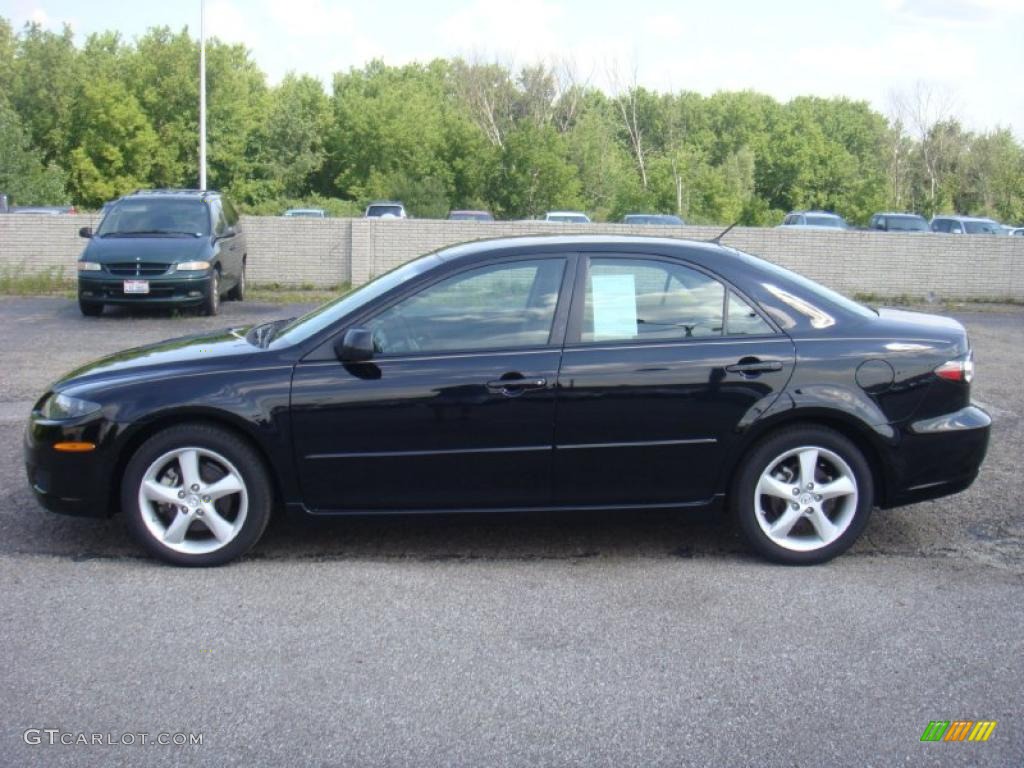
<point x="455" y="410"/>
<point x="662" y="362"/>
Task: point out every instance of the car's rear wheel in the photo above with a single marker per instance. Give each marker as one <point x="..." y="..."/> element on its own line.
<point x="803" y="495"/>
<point x="90" y="308"/>
<point x="211" y="302"/>
<point x="196" y="495"/>
<point x="238" y="292"/>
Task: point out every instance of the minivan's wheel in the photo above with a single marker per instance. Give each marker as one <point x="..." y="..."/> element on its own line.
<point x="211" y="302"/>
<point x="803" y="495"/>
<point x="90" y="308"/>
<point x="238" y="292"/>
<point x="195" y="494"/>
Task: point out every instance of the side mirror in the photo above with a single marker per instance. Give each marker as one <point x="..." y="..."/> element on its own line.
<point x="356" y="346"/>
<point x="85" y="232"/>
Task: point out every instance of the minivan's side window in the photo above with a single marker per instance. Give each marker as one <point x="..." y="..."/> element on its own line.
<point x="217" y="215"/>
<point x="230" y="214"/>
<point x="641" y="300"/>
<point x="500" y="306"/>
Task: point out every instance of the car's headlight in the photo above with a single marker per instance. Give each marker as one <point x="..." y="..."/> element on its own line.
<point x="67" y="407"/>
<point x="89" y="266"/>
<point x="193" y="266"/>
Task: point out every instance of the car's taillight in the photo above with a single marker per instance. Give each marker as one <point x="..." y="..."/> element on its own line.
<point x="961" y="369"/>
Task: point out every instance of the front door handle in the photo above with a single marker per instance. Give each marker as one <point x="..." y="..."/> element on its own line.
<point x="510" y="387"/>
<point x="754" y="366"/>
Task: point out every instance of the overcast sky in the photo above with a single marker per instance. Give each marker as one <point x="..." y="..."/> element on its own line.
<point x="862" y="50"/>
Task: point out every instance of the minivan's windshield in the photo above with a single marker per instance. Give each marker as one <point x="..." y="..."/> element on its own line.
<point x="302" y="328"/>
<point x="906" y="224"/>
<point x="155" y="216"/>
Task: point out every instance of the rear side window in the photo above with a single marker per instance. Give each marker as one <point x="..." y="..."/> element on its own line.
<point x="641" y="300"/>
<point x="230" y="214"/>
<point x="940" y="225"/>
<point x="742" y="320"/>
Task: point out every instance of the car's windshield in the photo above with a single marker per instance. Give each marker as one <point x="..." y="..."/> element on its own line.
<point x="825" y="221"/>
<point x="309" y="324"/>
<point x="156" y="217"/>
<point x="384" y="210"/>
<point x="982" y="228"/>
<point x="906" y="224"/>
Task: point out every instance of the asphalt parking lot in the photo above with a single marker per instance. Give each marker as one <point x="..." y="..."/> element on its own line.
<point x="592" y="640"/>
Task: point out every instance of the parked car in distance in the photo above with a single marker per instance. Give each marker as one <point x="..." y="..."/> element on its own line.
<point x="898" y="222"/>
<point x="965" y="225"/>
<point x="470" y="216"/>
<point x="653" y="218"/>
<point x="45" y="210"/>
<point x="164" y="247"/>
<point x="567" y="217"/>
<point x="1017" y="232"/>
<point x="305" y="213"/>
<point x="385" y="209"/>
<point x="814" y="220"/>
<point x="528" y="373"/>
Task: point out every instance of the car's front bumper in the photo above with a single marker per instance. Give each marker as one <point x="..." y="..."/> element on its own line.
<point x="175" y="289"/>
<point x="939" y="456"/>
<point x="70" y="483"/>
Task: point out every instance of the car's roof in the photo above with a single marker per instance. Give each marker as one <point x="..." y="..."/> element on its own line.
<point x="468" y="210"/>
<point x="957" y="217"/>
<point x="816" y="213"/>
<point x="190" y="193"/>
<point x="384" y="202"/>
<point x="584" y="242"/>
<point x="899" y="213"/>
<point x="565" y="213"/>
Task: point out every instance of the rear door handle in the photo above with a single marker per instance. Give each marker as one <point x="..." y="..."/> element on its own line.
<point x="755" y="366"/>
<point x="517" y="386"/>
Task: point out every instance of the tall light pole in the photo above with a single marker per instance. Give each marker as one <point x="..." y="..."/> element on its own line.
<point x="202" y="94"/>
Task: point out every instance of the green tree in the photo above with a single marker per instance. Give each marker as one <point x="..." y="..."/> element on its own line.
<point x="23" y="175"/>
<point x="113" y="144"/>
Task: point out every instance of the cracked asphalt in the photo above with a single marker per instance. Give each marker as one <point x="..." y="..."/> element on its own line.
<point x="609" y="639"/>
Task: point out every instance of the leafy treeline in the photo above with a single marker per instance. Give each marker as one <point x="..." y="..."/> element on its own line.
<point x="86" y="124"/>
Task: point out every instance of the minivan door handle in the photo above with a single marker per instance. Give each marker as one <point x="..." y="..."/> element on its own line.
<point x="753" y="366"/>
<point x="516" y="386"/>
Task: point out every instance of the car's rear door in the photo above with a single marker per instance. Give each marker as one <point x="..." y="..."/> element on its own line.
<point x="456" y="410"/>
<point x="662" y="362"/>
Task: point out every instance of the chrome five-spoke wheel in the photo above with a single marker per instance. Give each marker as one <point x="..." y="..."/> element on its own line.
<point x="193" y="500"/>
<point x="806" y="498"/>
<point x="803" y="495"/>
<point x="196" y="494"/>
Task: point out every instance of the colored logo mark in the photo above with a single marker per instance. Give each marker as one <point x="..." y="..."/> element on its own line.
<point x="958" y="730"/>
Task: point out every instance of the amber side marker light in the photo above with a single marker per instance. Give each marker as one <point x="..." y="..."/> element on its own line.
<point x="74" y="447"/>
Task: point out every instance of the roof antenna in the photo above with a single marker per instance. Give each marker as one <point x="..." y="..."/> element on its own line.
<point x="723" y="233"/>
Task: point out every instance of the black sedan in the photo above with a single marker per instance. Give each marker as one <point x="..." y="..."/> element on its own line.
<point x="539" y="373"/>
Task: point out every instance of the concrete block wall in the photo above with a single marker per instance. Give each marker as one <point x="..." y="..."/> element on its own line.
<point x="327" y="252"/>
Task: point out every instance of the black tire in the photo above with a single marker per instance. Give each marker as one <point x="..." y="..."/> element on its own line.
<point x="238" y="292"/>
<point x="211" y="302"/>
<point x="763" y="457"/>
<point x="220" y="444"/>
<point x="90" y="308"/>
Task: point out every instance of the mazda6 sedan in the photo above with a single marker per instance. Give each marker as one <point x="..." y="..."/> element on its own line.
<point x="538" y="373"/>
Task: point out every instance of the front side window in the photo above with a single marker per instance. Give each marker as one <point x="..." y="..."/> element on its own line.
<point x="500" y="306"/>
<point x="640" y="300"/>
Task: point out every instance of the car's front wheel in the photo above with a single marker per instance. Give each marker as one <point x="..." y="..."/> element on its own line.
<point x="196" y="495"/>
<point x="211" y="302"/>
<point x="90" y="308"/>
<point x="803" y="495"/>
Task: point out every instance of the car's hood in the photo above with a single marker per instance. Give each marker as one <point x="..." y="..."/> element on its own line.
<point x="145" y="249"/>
<point x="197" y="352"/>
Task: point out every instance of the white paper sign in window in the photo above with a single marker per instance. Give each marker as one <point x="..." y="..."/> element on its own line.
<point x="614" y="302"/>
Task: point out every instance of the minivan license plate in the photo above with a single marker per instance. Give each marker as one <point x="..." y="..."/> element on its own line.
<point x="136" y="286"/>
